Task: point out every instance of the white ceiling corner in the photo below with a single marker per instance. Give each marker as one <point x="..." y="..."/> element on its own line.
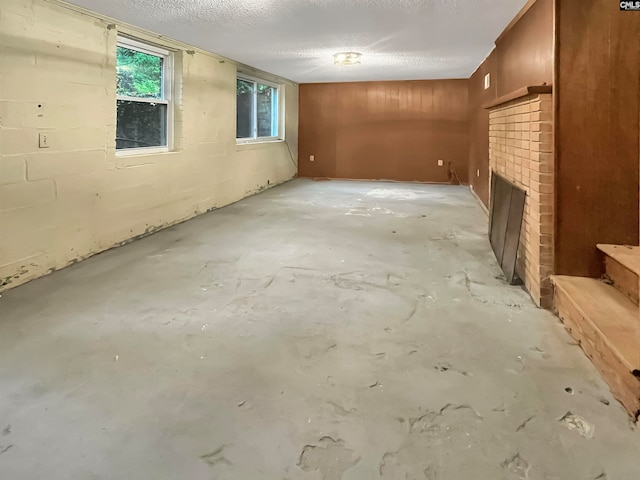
<point x="295" y="39"/>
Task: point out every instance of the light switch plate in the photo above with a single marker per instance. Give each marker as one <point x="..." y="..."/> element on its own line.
<point x="43" y="140"/>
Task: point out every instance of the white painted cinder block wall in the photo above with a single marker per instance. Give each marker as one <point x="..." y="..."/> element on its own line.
<point x="77" y="198"/>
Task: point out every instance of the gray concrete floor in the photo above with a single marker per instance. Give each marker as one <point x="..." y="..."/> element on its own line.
<point x="320" y="330"/>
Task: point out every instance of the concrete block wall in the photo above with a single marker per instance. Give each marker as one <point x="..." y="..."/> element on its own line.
<point x="77" y="197"/>
<point x="521" y="150"/>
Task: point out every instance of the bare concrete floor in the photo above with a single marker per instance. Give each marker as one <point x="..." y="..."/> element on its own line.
<point x="332" y="330"/>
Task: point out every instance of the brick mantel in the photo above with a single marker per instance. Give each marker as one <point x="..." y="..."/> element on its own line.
<point x="521" y="150"/>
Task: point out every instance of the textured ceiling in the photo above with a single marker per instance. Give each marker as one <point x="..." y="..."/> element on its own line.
<point x="399" y="39"/>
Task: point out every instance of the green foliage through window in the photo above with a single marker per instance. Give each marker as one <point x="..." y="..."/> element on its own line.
<point x="139" y="74"/>
<point x="257" y="110"/>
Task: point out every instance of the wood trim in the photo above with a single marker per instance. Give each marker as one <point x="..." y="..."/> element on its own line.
<point x="556" y="126"/>
<point x="379" y="180"/>
<point x="519" y="93"/>
<point x="516" y="19"/>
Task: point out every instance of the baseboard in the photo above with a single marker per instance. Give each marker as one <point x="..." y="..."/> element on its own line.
<point x="379" y="180"/>
<point x="482" y="205"/>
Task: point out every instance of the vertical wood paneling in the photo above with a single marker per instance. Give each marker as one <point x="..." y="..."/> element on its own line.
<point x="597" y="131"/>
<point x="479" y="126"/>
<point x="525" y="52"/>
<point x="384" y="130"/>
<point x="317" y="106"/>
<point x="523" y="56"/>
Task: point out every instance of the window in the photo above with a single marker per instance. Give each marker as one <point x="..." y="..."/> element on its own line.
<point x="144" y="110"/>
<point x="258" y="115"/>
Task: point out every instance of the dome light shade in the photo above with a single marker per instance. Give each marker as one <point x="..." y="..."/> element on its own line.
<point x="347" y="58"/>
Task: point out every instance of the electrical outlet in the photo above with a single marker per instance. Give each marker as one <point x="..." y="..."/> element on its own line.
<point x="441" y="163"/>
<point x="312" y="158"/>
<point x="43" y="140"/>
<point x="478" y="173"/>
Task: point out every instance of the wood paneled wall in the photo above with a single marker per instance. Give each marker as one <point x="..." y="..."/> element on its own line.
<point x="479" y="126"/>
<point x="597" y="90"/>
<point x="523" y="56"/>
<point x="525" y="50"/>
<point x="384" y="130"/>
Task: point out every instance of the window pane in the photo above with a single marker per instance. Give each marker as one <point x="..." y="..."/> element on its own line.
<point x="141" y="124"/>
<point x="244" y="94"/>
<point x="267" y="111"/>
<point x="139" y="74"/>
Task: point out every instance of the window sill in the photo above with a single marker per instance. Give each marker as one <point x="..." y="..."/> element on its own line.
<point x="145" y="158"/>
<point x="249" y="144"/>
<point x="138" y="152"/>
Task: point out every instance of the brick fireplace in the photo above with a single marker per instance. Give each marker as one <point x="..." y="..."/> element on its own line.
<point x="521" y="150"/>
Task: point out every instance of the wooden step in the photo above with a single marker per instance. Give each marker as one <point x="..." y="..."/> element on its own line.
<point x="622" y="263"/>
<point x="607" y="326"/>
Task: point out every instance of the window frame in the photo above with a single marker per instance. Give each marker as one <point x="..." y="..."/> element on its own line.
<point x="167" y="93"/>
<point x="279" y="104"/>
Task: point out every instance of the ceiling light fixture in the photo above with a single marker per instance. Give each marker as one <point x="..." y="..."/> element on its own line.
<point x="347" y="58"/>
